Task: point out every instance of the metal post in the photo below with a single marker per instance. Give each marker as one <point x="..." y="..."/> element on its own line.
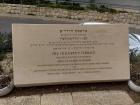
<point x="56" y="1"/>
<point x="72" y="8"/>
<point x="21" y="4"/>
<point x="3" y="2"/>
<point x="38" y="7"/>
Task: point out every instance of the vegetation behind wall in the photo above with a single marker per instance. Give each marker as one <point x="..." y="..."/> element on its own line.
<point x="64" y="4"/>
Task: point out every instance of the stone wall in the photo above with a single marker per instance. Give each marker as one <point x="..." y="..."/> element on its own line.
<point x="88" y="15"/>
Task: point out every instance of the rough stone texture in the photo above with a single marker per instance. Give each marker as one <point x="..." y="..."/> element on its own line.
<point x="131" y="17"/>
<point x="57" y="99"/>
<point x="102" y="98"/>
<point x="120" y="98"/>
<point x="21" y="100"/>
<point x="83" y="98"/>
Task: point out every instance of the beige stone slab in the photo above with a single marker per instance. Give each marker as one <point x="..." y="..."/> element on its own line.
<point x="57" y="99"/>
<point x="69" y="53"/>
<point x="21" y="100"/>
<point x="102" y="98"/>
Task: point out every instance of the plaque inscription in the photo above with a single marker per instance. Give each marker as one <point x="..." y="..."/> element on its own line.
<point x="56" y="54"/>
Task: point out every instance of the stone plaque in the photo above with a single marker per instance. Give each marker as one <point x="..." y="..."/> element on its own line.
<point x="69" y="53"/>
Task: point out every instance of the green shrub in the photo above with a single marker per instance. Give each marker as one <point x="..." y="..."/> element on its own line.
<point x="74" y="6"/>
<point x="31" y="14"/>
<point x="112" y="10"/>
<point x="103" y="8"/>
<point x="30" y="2"/>
<point x="122" y="11"/>
<point x="44" y="4"/>
<point x="11" y="1"/>
<point x="2" y="56"/>
<point x="64" y="5"/>
<point x="134" y="57"/>
<point x="5" y="42"/>
<point x="134" y="53"/>
<point x="92" y="7"/>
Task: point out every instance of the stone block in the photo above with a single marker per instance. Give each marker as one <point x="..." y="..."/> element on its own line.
<point x="57" y="99"/>
<point x="21" y="100"/>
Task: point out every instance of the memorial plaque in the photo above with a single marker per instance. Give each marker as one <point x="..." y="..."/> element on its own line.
<point x="69" y="53"/>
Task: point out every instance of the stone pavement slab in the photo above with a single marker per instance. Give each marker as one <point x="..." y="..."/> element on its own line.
<point x="21" y="100"/>
<point x="102" y="98"/>
<point x="83" y="98"/>
<point x="57" y="99"/>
